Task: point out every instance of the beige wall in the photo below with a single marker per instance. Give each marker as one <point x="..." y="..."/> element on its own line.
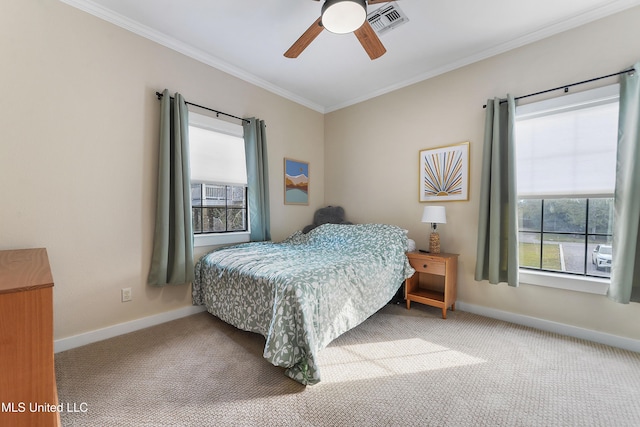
<point x="372" y="157"/>
<point x="78" y="126"/>
<point x="78" y="134"/>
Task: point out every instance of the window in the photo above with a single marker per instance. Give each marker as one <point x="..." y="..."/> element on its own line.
<point x="565" y="162"/>
<point x="218" y="179"/>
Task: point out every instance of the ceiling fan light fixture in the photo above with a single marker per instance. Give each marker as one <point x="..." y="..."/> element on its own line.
<point x="343" y="16"/>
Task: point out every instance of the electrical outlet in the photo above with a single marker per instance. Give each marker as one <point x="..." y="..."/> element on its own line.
<point x="126" y="294"/>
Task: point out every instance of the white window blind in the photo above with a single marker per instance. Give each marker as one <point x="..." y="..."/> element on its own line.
<point x="216" y="151"/>
<point x="566" y="146"/>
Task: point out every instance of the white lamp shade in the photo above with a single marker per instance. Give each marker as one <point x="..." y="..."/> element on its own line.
<point x="434" y="214"/>
<point x="343" y="16"/>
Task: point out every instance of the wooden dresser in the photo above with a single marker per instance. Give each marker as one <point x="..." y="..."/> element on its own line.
<point x="28" y="392"/>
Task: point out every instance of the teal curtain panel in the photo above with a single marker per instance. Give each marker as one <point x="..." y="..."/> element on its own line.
<point x="497" y="246"/>
<point x="625" y="270"/>
<point x="172" y="258"/>
<point x="255" y="142"/>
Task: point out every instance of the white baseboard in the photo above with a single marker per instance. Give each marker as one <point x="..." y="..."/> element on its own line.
<point x="549" y="326"/>
<point x="64" y="344"/>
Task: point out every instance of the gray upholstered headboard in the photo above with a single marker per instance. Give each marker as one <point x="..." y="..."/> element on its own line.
<point x="328" y="215"/>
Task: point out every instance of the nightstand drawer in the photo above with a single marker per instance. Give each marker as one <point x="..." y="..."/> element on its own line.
<point x="428" y="265"/>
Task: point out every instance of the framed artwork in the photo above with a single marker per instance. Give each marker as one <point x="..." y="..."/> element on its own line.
<point x="444" y="173"/>
<point x="296" y="182"/>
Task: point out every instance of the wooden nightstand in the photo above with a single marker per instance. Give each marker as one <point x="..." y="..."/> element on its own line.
<point x="434" y="282"/>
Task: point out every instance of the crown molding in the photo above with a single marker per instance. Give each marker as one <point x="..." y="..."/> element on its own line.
<point x="178" y="46"/>
<point x="101" y="12"/>
<point x="534" y="36"/>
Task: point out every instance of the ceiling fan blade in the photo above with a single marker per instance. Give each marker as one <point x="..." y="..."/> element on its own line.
<point x="305" y="39"/>
<point x="370" y="41"/>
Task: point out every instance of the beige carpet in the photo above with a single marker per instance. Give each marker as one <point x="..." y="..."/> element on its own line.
<point x="399" y="368"/>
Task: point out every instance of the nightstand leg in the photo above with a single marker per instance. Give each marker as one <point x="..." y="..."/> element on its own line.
<point x="408" y="304"/>
<point x="444" y="312"/>
<point x="453" y="307"/>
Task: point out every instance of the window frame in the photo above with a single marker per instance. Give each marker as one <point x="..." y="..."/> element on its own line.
<point x="227" y="237"/>
<point x="586" y="284"/>
<point x="558" y="280"/>
<point x="593" y="238"/>
<point x="573" y="281"/>
<point x="225" y="187"/>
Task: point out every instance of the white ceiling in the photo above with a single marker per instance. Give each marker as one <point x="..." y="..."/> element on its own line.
<point x="247" y="38"/>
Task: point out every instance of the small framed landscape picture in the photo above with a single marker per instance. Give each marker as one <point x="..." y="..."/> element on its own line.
<point x="296" y="182"/>
<point x="444" y="173"/>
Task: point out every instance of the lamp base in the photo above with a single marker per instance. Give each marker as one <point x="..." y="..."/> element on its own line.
<point x="434" y="243"/>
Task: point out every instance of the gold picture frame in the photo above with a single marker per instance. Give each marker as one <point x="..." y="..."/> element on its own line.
<point x="444" y="173"/>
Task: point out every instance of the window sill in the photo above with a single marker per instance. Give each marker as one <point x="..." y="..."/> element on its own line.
<point x="591" y="285"/>
<point x="220" y="239"/>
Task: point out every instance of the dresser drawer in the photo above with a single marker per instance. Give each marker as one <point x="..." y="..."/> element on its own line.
<point x="428" y="265"/>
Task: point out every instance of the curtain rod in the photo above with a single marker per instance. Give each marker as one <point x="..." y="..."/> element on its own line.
<point x="159" y="95"/>
<point x="566" y="87"/>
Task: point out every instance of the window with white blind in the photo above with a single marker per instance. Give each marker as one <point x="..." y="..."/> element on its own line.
<point x="565" y="166"/>
<point x="218" y="181"/>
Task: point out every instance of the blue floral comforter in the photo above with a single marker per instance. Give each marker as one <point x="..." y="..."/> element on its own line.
<point x="305" y="291"/>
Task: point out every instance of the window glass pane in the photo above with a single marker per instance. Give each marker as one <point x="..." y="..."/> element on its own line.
<point x="565" y="215"/>
<point x="551" y="254"/>
<point x="529" y="214"/>
<point x="214" y="220"/>
<point x="529" y="250"/>
<point x="214" y="195"/>
<point x="236" y="196"/>
<point x="236" y="219"/>
<point x="600" y="258"/>
<point x="601" y="216"/>
<point x="196" y="195"/>
<point x="196" y="218"/>
<point x="564" y="252"/>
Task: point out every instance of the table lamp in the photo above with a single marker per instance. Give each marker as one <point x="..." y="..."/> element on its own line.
<point x="435" y="215"/>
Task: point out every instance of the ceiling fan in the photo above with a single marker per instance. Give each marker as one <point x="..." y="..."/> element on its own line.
<point x="341" y="17"/>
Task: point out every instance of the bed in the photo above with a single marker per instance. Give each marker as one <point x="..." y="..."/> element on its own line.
<point x="305" y="291"/>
